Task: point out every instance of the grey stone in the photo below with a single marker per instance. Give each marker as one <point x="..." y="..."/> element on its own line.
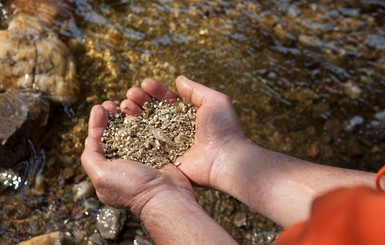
<point x="110" y="222"/>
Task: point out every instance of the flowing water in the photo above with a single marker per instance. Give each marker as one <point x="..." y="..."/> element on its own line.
<point x="306" y="79"/>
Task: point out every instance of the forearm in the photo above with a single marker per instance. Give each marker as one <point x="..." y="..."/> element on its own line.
<point x="279" y="186"/>
<point x="178" y="219"/>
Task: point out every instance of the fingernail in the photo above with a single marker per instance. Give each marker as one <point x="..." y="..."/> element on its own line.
<point x="180" y="77"/>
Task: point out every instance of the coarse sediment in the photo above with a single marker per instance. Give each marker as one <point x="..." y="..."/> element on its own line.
<point x="159" y="135"/>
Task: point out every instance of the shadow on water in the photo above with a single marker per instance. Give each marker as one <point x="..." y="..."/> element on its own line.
<point x="307" y="79"/>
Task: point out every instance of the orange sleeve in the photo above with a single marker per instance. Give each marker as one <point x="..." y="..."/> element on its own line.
<point x="342" y="216"/>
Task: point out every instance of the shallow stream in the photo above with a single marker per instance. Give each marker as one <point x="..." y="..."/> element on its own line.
<point x="306" y="79"/>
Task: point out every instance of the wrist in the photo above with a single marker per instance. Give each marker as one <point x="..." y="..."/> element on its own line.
<point x="164" y="200"/>
<point x="237" y="166"/>
<point x="176" y="218"/>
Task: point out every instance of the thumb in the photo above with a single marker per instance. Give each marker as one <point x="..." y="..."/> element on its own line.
<point x="193" y="92"/>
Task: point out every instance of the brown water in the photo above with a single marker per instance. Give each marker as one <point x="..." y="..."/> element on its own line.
<point x="306" y="79"/>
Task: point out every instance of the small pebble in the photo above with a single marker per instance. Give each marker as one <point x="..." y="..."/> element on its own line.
<point x="82" y="190"/>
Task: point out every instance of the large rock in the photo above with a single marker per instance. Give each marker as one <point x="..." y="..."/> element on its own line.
<point x="33" y="57"/>
<point x="23" y="116"/>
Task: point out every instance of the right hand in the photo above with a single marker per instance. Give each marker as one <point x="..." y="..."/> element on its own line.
<point x="218" y="128"/>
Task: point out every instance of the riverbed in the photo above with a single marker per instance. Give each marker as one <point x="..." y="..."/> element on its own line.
<point x="306" y="79"/>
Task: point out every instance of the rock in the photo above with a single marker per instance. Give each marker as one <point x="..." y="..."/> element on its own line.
<point x="266" y="237"/>
<point x="47" y="12"/>
<point x="240" y="219"/>
<point x="82" y="190"/>
<point x="350" y="125"/>
<point x="23" y="115"/>
<point x="68" y="173"/>
<point x="54" y="238"/>
<point x="35" y="64"/>
<point x="313" y="149"/>
<point x="32" y="57"/>
<point x="91" y="205"/>
<point x="352" y="90"/>
<point x="9" y="179"/>
<point x="142" y="240"/>
<point x="39" y="188"/>
<point x="110" y="222"/>
<point x="95" y="239"/>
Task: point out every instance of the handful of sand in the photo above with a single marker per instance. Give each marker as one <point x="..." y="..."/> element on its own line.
<point x="159" y="135"/>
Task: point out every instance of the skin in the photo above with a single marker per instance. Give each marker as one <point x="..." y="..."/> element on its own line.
<point x="222" y="158"/>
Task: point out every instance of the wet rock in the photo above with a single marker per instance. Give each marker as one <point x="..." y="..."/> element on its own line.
<point x="35" y="64"/>
<point x="350" y="125"/>
<point x="82" y="190"/>
<point x="54" y="238"/>
<point x="354" y="148"/>
<point x="313" y="150"/>
<point x="3" y="15"/>
<point x="376" y="41"/>
<point x="91" y="205"/>
<point x="23" y="115"/>
<point x="240" y="219"/>
<point x="47" y="12"/>
<point x="95" y="239"/>
<point x="309" y="41"/>
<point x="380" y="116"/>
<point x="68" y="173"/>
<point x="110" y="222"/>
<point x="9" y="179"/>
<point x="33" y="57"/>
<point x="321" y="110"/>
<point x="142" y="240"/>
<point x="267" y="237"/>
<point x="352" y="90"/>
<point x="39" y="188"/>
<point x="79" y="235"/>
<point x="333" y="126"/>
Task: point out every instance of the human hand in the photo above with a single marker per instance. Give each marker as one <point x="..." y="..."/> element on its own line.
<point x="124" y="183"/>
<point x="218" y="129"/>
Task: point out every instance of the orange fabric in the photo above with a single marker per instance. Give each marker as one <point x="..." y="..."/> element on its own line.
<point x="343" y="216"/>
<point x="379" y="175"/>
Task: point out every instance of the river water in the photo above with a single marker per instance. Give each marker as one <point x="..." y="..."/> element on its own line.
<point x="306" y="79"/>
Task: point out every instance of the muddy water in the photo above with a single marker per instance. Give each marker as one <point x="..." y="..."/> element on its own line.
<point x="306" y="79"/>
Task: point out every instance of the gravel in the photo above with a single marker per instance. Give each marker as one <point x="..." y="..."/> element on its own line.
<point x="158" y="136"/>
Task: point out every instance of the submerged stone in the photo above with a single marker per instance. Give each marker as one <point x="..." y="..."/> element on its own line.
<point x="110" y="222"/>
<point x="23" y="116"/>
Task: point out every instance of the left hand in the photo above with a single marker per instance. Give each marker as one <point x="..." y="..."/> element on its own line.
<point x="125" y="183"/>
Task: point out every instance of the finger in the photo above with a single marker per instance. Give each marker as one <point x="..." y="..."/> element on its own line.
<point x="138" y="96"/>
<point x="157" y="90"/>
<point x="92" y="145"/>
<point x="97" y="122"/>
<point x="110" y="106"/>
<point x="93" y="156"/>
<point x="93" y="151"/>
<point x="194" y="92"/>
<point x="130" y="107"/>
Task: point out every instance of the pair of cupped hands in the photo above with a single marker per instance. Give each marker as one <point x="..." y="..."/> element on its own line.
<point x="132" y="185"/>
